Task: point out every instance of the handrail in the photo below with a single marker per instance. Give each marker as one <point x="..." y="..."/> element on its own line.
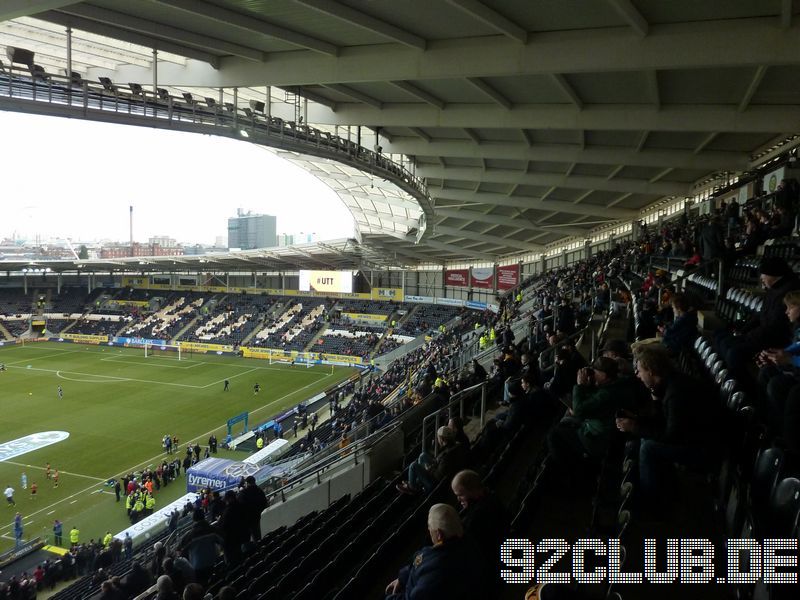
<point x="352" y="452"/>
<point x="457" y="398"/>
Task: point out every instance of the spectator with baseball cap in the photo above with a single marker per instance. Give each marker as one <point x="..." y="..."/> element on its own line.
<point x="584" y="434"/>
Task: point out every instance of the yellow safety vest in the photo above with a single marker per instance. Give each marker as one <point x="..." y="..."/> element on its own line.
<point x="74" y="535"/>
<point x="107" y="539"/>
<point x="260" y="443"/>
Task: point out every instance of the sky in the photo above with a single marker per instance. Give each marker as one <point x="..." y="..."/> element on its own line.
<point x="68" y="178"/>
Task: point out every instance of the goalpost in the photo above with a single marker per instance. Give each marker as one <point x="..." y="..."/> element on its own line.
<point x="172" y="351"/>
<point x="300" y="359"/>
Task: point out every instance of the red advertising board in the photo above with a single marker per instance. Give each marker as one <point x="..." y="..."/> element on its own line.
<point x="507" y="277"/>
<point x="456" y="277"/>
<point x="482" y="277"/>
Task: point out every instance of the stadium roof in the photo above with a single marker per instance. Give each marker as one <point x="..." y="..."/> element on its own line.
<point x="531" y="122"/>
<point x="341" y="254"/>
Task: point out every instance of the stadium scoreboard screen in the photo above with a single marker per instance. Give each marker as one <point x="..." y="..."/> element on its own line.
<point x="326" y="281"/>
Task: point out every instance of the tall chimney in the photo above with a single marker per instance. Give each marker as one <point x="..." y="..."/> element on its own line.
<point x="130" y="221"/>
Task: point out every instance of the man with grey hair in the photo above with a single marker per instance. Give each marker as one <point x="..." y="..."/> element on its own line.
<point x="448" y="569"/>
<point x="425" y="472"/>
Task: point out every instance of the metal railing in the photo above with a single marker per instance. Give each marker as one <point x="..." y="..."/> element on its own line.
<point x="456" y="399"/>
<point x="339" y="457"/>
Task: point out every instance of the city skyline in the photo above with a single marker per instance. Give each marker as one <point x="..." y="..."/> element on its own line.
<point x="181" y="185"/>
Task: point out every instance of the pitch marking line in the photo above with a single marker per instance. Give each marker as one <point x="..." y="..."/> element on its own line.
<point x="17" y="362"/>
<point x="19" y="464"/>
<point x="121" y="359"/>
<point x="78" y="380"/>
<point x="157" y="456"/>
<point x="112" y="378"/>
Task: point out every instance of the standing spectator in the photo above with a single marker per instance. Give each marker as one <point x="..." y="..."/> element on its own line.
<point x="253" y="501"/>
<point x="127" y="546"/>
<point x="234" y="526"/>
<point x="712" y="240"/>
<point x="200" y="546"/>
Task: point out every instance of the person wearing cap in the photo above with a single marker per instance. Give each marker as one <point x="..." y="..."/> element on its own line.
<point x="425" y="472"/>
<point x="589" y="425"/>
<point x="769" y="328"/>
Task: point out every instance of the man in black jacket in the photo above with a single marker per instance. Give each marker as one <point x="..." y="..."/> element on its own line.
<point x="486" y="521"/>
<point x="253" y="501"/>
<point x="679" y="428"/>
<point x="767" y="329"/>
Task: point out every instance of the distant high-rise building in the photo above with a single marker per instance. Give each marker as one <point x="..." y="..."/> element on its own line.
<point x="247" y="231"/>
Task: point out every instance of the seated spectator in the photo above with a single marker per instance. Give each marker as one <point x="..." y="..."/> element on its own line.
<point x="425" y="472"/>
<point x="567" y="364"/>
<point x="193" y="591"/>
<point x="137" y="581"/>
<point x="679" y="427"/>
<point x="165" y="588"/>
<point x="680" y="334"/>
<point x="478" y="372"/>
<point x="693" y="260"/>
<point x="619" y="350"/>
<point x="447" y="569"/>
<point x="767" y="329"/>
<point x="457" y="425"/>
<point x="589" y="425"/>
<point x="227" y="593"/>
<point x="486" y="521"/>
<point x="780" y="369"/>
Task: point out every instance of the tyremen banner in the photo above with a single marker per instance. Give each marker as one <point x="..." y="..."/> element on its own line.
<point x="507" y="277"/>
<point x="483" y="278"/>
<point x="456" y="277"/>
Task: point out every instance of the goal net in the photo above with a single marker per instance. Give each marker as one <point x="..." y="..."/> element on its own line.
<point x="172" y="351"/>
<point x="298" y="359"/>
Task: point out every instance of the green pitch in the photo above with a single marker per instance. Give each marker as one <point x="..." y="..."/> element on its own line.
<point x="117" y="406"/>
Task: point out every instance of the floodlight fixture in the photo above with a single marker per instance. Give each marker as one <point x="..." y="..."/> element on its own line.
<point x="107" y="84"/>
